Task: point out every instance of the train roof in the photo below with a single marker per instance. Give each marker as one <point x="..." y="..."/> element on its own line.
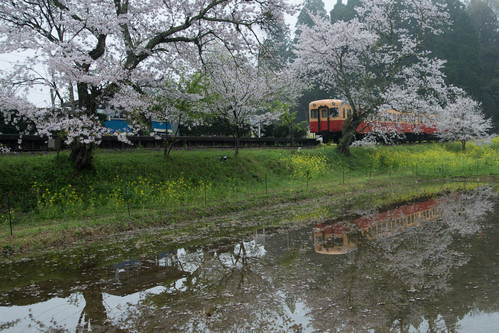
<point x="326" y="102"/>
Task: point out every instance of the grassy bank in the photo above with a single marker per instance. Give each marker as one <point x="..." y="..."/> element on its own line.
<point x="50" y="205"/>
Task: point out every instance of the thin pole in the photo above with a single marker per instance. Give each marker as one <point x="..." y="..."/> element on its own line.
<point x="205" y="192"/>
<point x="10" y="216"/>
<point x="266" y="184"/>
<point x="128" y="201"/>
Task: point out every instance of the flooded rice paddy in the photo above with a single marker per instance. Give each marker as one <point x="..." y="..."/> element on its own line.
<point x="430" y="266"/>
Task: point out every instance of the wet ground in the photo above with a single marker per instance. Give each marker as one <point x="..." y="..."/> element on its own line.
<point x="430" y="266"/>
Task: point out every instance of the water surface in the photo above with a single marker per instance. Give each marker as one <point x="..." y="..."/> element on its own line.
<point x="423" y="267"/>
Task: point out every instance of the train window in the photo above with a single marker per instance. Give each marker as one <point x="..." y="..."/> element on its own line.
<point x="343" y="112"/>
<point x="314" y="114"/>
<point x="349" y="112"/>
<point x="324" y="113"/>
<point x="333" y="112"/>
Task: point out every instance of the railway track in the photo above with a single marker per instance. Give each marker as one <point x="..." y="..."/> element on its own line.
<point x="27" y="143"/>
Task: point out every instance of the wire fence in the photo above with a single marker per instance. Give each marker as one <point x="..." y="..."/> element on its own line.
<point x="128" y="198"/>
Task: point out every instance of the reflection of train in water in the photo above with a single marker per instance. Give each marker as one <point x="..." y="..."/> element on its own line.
<point x="333" y="238"/>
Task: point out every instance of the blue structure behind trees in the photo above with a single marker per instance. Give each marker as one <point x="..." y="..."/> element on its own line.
<point x="121" y="125"/>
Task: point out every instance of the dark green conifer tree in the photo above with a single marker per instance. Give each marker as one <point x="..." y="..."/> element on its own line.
<point x="485" y="20"/>
<point x="315" y="7"/>
<point x="342" y="12"/>
<point x="458" y="45"/>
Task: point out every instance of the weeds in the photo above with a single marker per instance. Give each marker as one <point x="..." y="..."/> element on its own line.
<point x="45" y="189"/>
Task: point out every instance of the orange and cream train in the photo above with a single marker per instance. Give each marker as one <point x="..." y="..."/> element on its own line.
<point x="326" y="118"/>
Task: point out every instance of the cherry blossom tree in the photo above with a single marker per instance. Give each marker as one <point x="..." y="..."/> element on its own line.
<point x="375" y="61"/>
<point x="246" y="94"/>
<point x="110" y="52"/>
<point x="462" y="120"/>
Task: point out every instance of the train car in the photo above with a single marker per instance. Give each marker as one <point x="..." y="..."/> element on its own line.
<point x="117" y="123"/>
<point x="327" y="116"/>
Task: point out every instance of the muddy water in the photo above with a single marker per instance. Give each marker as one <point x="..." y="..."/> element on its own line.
<point x="428" y="266"/>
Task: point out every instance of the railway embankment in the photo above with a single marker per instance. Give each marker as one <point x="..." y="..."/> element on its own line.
<point x="45" y="205"/>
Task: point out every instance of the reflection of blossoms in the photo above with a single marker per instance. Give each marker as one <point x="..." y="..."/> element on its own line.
<point x="389" y="281"/>
<point x="465" y="218"/>
<point x="423" y="257"/>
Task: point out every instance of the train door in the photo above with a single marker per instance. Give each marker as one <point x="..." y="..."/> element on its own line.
<point x="324" y="115"/>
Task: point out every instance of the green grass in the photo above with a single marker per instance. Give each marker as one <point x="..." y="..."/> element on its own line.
<point x="49" y="202"/>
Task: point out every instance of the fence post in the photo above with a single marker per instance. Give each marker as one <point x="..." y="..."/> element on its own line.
<point x="10" y="215"/>
<point x="266" y="184"/>
<point x="205" y="192"/>
<point x="127" y="196"/>
<point x="390" y="178"/>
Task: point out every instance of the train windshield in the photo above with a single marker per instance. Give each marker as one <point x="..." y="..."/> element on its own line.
<point x="333" y="112"/>
<point x="324" y="112"/>
<point x="314" y="114"/>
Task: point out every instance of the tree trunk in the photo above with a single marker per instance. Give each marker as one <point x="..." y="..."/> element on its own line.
<point x="236" y="145"/>
<point x="174" y="139"/>
<point x="81" y="155"/>
<point x="236" y="140"/>
<point x="348" y="135"/>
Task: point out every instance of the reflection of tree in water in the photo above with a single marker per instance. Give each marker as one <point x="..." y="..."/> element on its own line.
<point x="224" y="292"/>
<point x="94" y="314"/>
<point x="120" y="280"/>
<point x="397" y="281"/>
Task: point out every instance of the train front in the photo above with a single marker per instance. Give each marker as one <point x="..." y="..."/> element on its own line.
<point x="326" y="118"/>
